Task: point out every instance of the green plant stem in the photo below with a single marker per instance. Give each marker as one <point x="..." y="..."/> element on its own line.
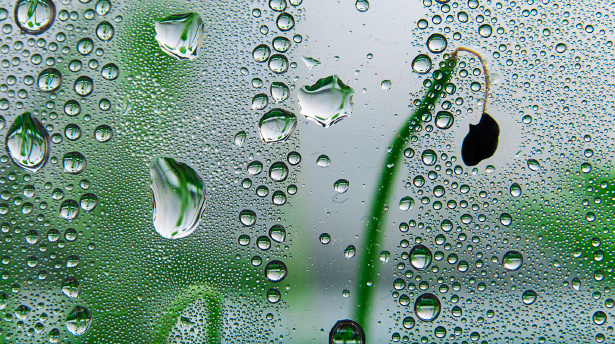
<point x="212" y="297"/>
<point x="374" y="231"/>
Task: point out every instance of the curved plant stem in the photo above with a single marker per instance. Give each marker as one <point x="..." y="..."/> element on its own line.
<point x="212" y="297"/>
<point x="375" y="228"/>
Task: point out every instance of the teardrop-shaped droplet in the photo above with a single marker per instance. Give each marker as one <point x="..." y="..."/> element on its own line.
<point x="28" y="143"/>
<point x="277" y="125"/>
<point x="326" y="102"/>
<point x="71" y="287"/>
<point x="179" y="198"/>
<point x="180" y="35"/>
<point x="78" y="320"/>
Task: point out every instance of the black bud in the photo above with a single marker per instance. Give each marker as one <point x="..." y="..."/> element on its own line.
<point x="481" y="142"/>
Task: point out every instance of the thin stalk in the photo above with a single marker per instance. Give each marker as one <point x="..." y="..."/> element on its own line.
<point x="375" y="228"/>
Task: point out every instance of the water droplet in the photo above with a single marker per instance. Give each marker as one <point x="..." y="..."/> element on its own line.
<point x="110" y="71"/>
<point x="533" y="165"/>
<point x="427" y="307"/>
<point x="346" y="332"/>
<point x="420" y="257"/>
<point x="512" y="260"/>
<point x="293" y="158"/>
<point x="261" y="53"/>
<point x="84" y="86"/>
<point x="440" y="332"/>
<point x="34" y="16"/>
<point x="323" y="161"/>
<point x="275" y="271"/>
<point x="561" y="47"/>
<point x="279" y="91"/>
<point x="72" y="132"/>
<point x="436" y="43"/>
<point x="88" y="202"/>
<point x="350" y="251"/>
<point x="22" y="312"/>
<point x="103" y="7"/>
<point x="49" y="80"/>
<point x="180" y="35"/>
<point x="362" y="5"/>
<point x="278" y="198"/>
<point x="4" y="300"/>
<point x="386" y="85"/>
<point x="278" y="171"/>
<point x="409" y="323"/>
<point x="78" y="320"/>
<point x="240" y="138"/>
<point x="260" y="101"/>
<point x="255" y="167"/>
<point x="429" y="157"/>
<point x="273" y="296"/>
<point x="529" y="297"/>
<point x="281" y="44"/>
<point x="285" y="21"/>
<point x="247" y="217"/>
<point x="505" y="219"/>
<point x="326" y="102"/>
<point x="408" y="152"/>
<point x="277" y="125"/>
<point x="341" y="186"/>
<point x="277" y="5"/>
<point x="277" y="233"/>
<point x="599" y="318"/>
<point x="421" y="64"/>
<point x="105" y="31"/>
<point x="406" y="203"/>
<point x="71" y="287"/>
<point x="74" y="163"/>
<point x="310" y="62"/>
<point x="485" y="30"/>
<point x="515" y="190"/>
<point x="178" y="196"/>
<point x="85" y="46"/>
<point x="444" y="120"/>
<point x="576" y="283"/>
<point x="69" y="210"/>
<point x="278" y="63"/>
<point x="28" y="143"/>
<point x="103" y="133"/>
<point x="481" y="141"/>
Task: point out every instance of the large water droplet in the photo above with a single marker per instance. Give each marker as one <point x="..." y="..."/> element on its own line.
<point x="69" y="210"/>
<point x="277" y="125"/>
<point x="277" y="233"/>
<point x="529" y="297"/>
<point x="341" y="186"/>
<point x="420" y="257"/>
<point x="278" y="63"/>
<point x="278" y="171"/>
<point x="275" y="271"/>
<point x="362" y="5"/>
<point x="180" y="35"/>
<point x="485" y="30"/>
<point x="49" y="80"/>
<point x="84" y="86"/>
<point x="346" y="332"/>
<point x="105" y="31"/>
<point x="444" y="119"/>
<point x="261" y="53"/>
<point x="429" y="157"/>
<point x="28" y="143"/>
<point x="515" y="190"/>
<point x="281" y="44"/>
<point x="512" y="260"/>
<point x="427" y="307"/>
<point x="406" y="203"/>
<point x="421" y="64"/>
<point x="179" y="198"/>
<point x="279" y="91"/>
<point x="103" y="133"/>
<point x="247" y="217"/>
<point x="78" y="320"/>
<point x="436" y="43"/>
<point x="326" y="102"/>
<point x="599" y="318"/>
<point x="34" y="16"/>
<point x="285" y="22"/>
<point x="74" y="163"/>
<point x="277" y="5"/>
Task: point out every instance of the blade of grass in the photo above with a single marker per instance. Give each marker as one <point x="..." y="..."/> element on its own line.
<point x="374" y="230"/>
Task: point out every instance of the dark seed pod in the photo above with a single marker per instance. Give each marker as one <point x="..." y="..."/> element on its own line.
<point x="481" y="142"/>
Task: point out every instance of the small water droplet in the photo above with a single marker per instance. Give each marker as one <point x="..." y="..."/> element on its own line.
<point x="529" y="297"/>
<point x="310" y="62"/>
<point x="515" y="190"/>
<point x="261" y="53"/>
<point x="599" y="318"/>
<point x="350" y="252"/>
<point x="533" y="165"/>
<point x="406" y="203"/>
<point x="323" y="161"/>
<point x="386" y="85"/>
<point x="341" y="186"/>
<point x="362" y="5"/>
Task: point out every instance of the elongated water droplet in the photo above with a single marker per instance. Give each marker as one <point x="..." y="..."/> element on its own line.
<point x="326" y="102"/>
<point x="28" y="143"/>
<point x="427" y="307"/>
<point x="515" y="190"/>
<point x="346" y="332"/>
<point x="35" y="16"/>
<point x="179" y="198"/>
<point x="277" y="125"/>
<point x="310" y="62"/>
<point x="78" y="320"/>
<point x="534" y="165"/>
<point x="180" y="35"/>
